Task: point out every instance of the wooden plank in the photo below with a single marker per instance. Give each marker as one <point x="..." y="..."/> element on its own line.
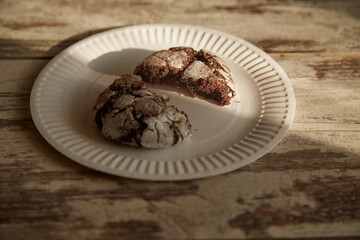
<point x="275" y="26"/>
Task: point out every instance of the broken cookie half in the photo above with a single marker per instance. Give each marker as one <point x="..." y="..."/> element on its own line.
<point x="128" y="112"/>
<point x="200" y="73"/>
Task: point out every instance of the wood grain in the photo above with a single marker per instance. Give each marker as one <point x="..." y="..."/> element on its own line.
<point x="306" y="187"/>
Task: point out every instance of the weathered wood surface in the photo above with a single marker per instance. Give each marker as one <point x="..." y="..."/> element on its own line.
<point x="308" y="186"/>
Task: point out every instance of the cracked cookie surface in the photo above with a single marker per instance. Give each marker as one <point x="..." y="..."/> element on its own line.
<point x="201" y="73"/>
<point x="128" y="112"/>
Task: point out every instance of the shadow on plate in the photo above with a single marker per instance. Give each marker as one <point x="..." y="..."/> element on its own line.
<point x="119" y="62"/>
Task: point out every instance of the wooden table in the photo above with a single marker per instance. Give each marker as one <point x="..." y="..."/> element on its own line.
<point x="307" y="187"/>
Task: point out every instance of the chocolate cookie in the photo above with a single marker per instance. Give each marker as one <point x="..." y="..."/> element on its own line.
<point x="201" y="73"/>
<point x="128" y="112"/>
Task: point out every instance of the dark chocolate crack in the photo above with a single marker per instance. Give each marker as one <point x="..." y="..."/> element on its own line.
<point x="128" y="112"/>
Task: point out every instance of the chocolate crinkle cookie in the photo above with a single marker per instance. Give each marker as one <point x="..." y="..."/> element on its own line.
<point x="128" y="112"/>
<point x="201" y="73"/>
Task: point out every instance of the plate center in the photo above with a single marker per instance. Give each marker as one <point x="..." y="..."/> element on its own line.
<point x="214" y="127"/>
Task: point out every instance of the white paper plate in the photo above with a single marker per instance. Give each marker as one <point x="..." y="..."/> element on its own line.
<point x="224" y="139"/>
